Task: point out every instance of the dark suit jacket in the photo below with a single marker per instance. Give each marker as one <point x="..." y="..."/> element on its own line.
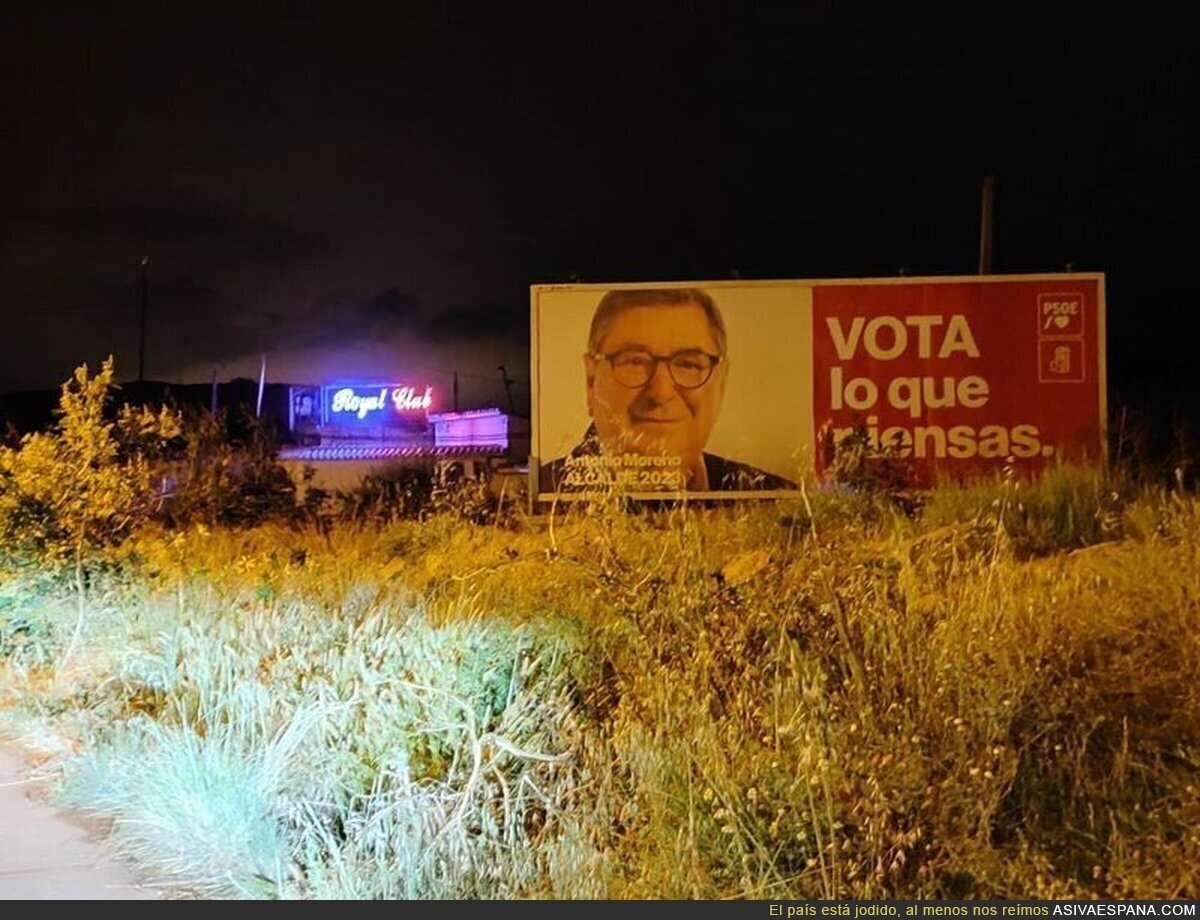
<point x="724" y="475"/>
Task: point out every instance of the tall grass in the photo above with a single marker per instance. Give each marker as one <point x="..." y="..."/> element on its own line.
<point x="826" y="698"/>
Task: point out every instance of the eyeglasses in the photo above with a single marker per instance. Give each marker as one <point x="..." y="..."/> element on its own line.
<point x="689" y="369"/>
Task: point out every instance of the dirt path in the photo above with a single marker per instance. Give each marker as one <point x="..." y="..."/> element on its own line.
<point x="50" y="854"/>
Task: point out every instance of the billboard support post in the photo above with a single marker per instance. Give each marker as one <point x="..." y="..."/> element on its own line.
<point x="987" y="228"/>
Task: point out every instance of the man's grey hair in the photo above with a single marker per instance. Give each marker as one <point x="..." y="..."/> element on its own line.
<point x="614" y="303"/>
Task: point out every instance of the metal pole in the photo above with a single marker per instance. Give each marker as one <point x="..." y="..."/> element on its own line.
<point x="987" y="225"/>
<point x="144" y="263"/>
<point x="262" y="379"/>
<point x="507" y="389"/>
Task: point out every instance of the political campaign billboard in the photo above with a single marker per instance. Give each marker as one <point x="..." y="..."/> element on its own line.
<point x="744" y="389"/>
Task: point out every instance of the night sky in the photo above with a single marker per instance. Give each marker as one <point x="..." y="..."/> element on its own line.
<point x="350" y="190"/>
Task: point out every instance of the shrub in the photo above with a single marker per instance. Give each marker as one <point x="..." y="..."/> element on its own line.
<point x="389" y="495"/>
<point x="1067" y="507"/>
<point x="861" y="464"/>
<point x="86" y="483"/>
<point x="227" y="474"/>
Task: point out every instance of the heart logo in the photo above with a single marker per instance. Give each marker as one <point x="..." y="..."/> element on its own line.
<point x="1061" y="321"/>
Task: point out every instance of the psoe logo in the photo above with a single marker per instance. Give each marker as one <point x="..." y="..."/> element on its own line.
<point x="1060" y="314"/>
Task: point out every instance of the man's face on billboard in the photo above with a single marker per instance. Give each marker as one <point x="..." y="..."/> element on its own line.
<point x="667" y="413"/>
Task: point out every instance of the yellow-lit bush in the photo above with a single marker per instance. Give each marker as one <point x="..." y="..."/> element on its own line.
<point x="85" y="484"/>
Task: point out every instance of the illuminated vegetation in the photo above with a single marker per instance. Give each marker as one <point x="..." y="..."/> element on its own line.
<point x="828" y="698"/>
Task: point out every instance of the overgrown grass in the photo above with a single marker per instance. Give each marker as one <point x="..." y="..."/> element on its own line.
<point x="826" y="698"/>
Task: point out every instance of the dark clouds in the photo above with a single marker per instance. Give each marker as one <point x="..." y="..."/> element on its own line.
<point x="493" y="321"/>
<point x="86" y="317"/>
<point x="221" y="236"/>
<point x="222" y="284"/>
<point x="393" y="312"/>
<point x="394" y="305"/>
<point x="319" y="177"/>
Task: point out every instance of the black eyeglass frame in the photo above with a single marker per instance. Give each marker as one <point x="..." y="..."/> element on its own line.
<point x="715" y="359"/>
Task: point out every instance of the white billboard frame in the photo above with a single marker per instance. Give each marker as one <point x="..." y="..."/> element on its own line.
<point x="536" y="290"/>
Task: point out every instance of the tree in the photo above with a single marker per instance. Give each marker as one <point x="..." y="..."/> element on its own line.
<point x="86" y="483"/>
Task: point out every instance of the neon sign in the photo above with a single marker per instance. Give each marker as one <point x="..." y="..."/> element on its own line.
<point x="405" y="399"/>
<point x="375" y="402"/>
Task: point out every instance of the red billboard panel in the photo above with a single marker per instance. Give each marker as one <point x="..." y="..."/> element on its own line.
<point x="959" y="377"/>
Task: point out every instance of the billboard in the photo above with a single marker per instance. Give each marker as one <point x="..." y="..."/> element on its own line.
<point x="741" y="389"/>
